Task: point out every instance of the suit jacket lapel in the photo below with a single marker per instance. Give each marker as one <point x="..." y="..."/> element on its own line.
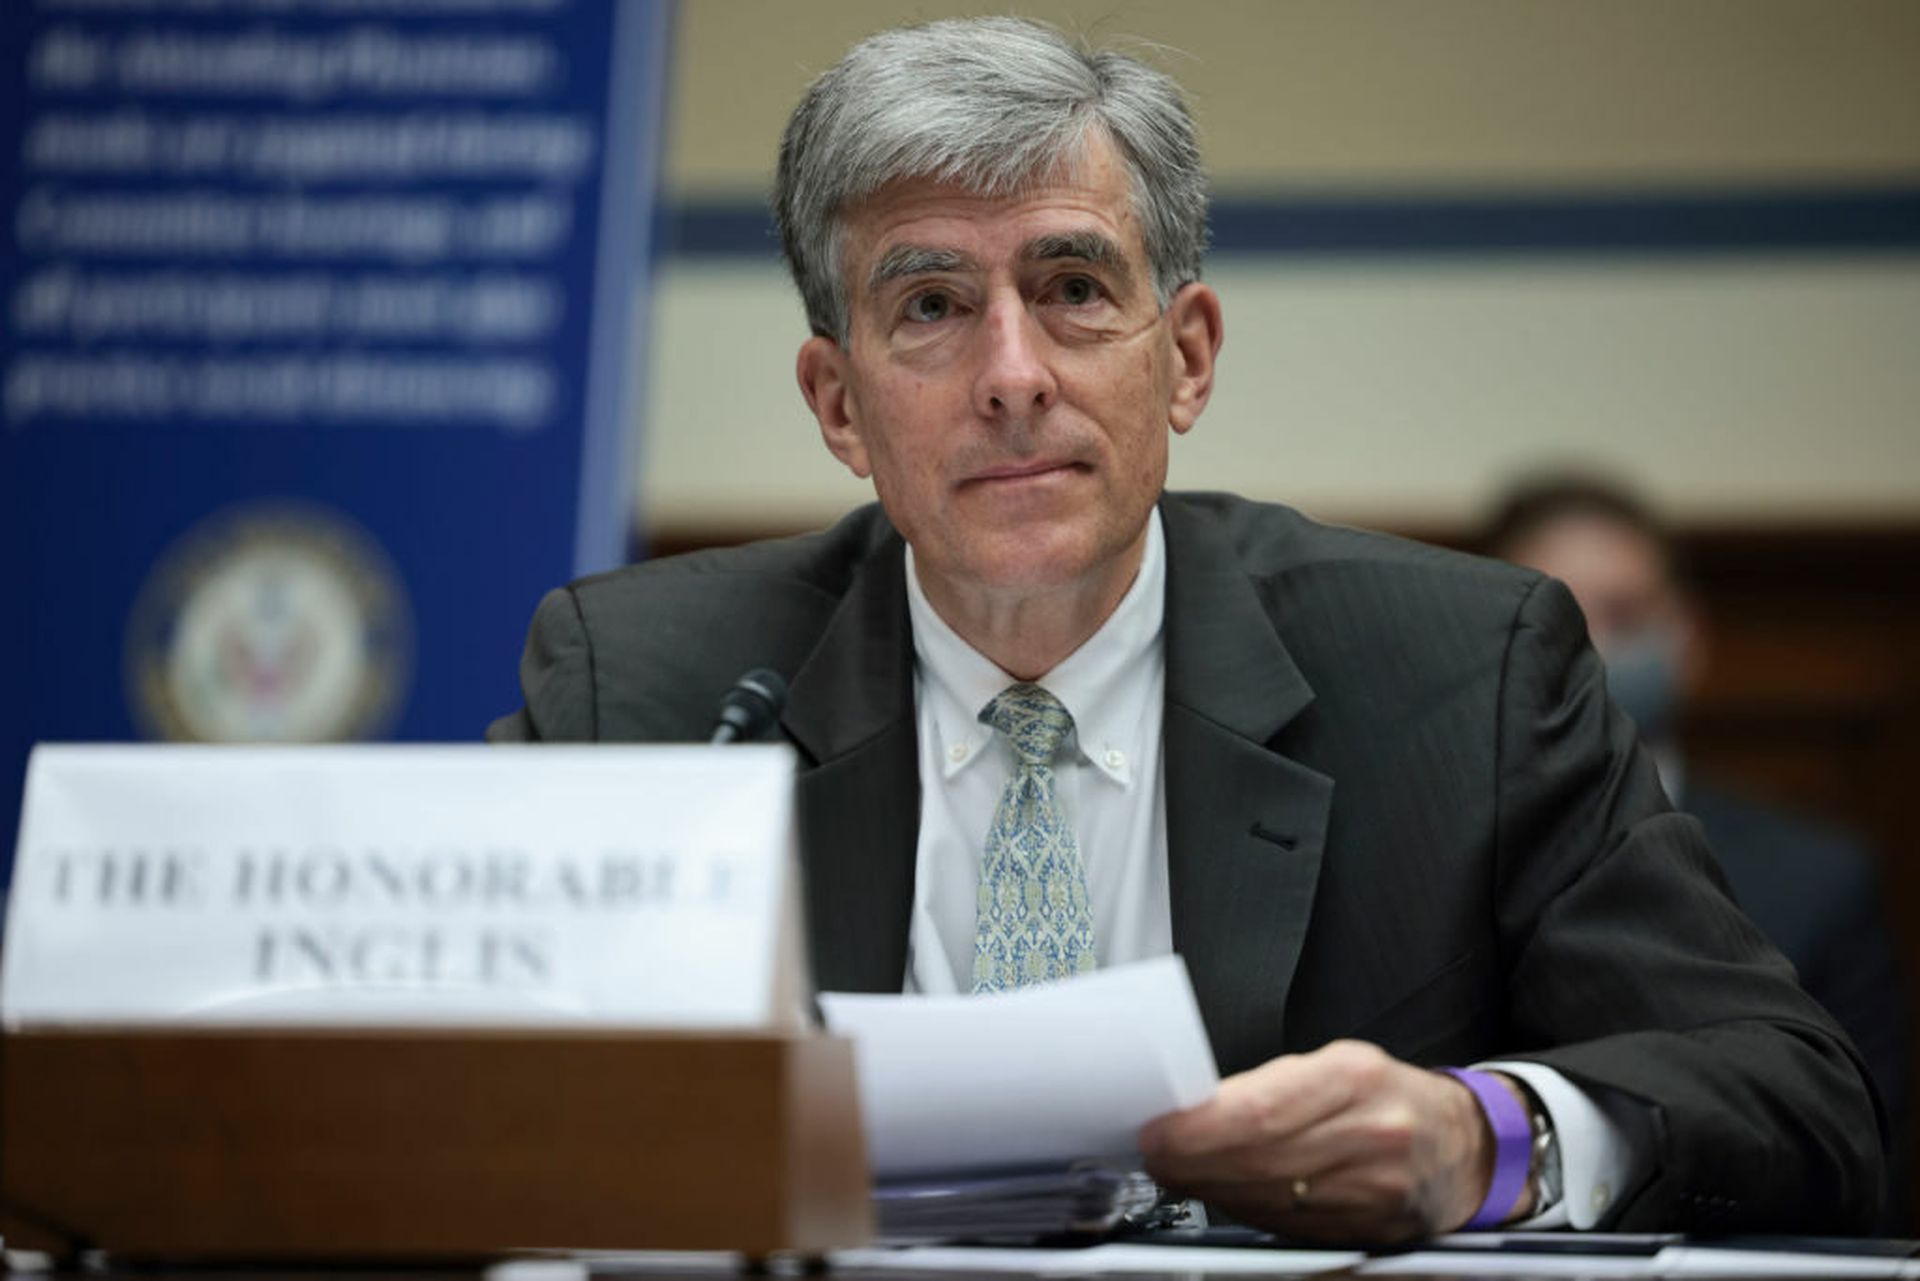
<point x="1246" y="826"/>
<point x="850" y="711"/>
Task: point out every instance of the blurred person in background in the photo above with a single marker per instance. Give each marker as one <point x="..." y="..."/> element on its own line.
<point x="1814" y="890"/>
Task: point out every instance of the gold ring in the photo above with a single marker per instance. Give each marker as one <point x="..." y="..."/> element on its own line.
<point x="1300" y="1189"/>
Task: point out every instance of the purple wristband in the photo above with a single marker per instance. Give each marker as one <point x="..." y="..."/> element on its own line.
<point x="1512" y="1145"/>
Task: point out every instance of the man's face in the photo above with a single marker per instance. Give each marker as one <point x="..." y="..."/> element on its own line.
<point x="1009" y="377"/>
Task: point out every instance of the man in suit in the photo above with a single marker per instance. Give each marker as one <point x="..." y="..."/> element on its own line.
<point x="1049" y="717"/>
<point x="1814" y="891"/>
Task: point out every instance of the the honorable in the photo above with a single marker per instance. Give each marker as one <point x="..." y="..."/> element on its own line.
<point x="1050" y="717"/>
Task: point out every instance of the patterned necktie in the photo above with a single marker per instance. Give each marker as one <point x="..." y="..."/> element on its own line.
<point x="1033" y="921"/>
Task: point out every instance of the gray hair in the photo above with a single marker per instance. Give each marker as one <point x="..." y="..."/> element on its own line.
<point x="991" y="104"/>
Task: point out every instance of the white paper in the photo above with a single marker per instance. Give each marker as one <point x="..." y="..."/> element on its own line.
<point x="1709" y="1261"/>
<point x="1117" y="1259"/>
<point x="1493" y="1263"/>
<point x="1677" y="1260"/>
<point x="1040" y="1076"/>
<point x="457" y="885"/>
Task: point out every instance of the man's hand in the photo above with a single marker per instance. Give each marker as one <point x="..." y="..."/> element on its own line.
<point x="1344" y="1144"/>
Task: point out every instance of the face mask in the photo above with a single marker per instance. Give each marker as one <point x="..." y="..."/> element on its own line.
<point x="1643" y="675"/>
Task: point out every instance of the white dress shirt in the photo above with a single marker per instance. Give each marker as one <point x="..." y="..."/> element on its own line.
<point x="1111" y="787"/>
<point x="1108" y="779"/>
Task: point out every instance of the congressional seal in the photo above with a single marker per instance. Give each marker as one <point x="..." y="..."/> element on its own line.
<point x="274" y="622"/>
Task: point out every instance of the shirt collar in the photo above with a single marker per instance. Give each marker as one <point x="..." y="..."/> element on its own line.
<point x="1092" y="682"/>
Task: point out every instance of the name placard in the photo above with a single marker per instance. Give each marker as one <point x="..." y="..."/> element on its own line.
<point x="605" y="886"/>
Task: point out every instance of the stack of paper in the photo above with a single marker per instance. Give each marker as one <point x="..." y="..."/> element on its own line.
<point x="1017" y="1113"/>
<point x="1083" y="1200"/>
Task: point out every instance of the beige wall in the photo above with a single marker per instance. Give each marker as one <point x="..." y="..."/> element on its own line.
<point x="1394" y="93"/>
<point x="1391" y="389"/>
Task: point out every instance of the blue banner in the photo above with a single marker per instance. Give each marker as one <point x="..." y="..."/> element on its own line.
<point x="317" y="355"/>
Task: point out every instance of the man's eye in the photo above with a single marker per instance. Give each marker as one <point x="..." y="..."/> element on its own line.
<point x="1078" y="291"/>
<point x="928" y="307"/>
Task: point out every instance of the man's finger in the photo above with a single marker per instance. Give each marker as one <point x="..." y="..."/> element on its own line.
<point x="1265" y="1104"/>
<point x="1351" y="1203"/>
<point x="1345" y="1138"/>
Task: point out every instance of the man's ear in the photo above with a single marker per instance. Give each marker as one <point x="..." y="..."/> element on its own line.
<point x="822" y="371"/>
<point x="1197" y="329"/>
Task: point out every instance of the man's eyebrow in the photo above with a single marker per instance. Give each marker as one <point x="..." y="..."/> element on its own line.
<point x="1086" y="246"/>
<point x="915" y="260"/>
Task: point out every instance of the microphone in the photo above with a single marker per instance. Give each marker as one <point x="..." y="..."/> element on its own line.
<point x="750" y="706"/>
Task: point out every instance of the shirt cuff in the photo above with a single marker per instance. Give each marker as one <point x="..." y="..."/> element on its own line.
<point x="1601" y="1157"/>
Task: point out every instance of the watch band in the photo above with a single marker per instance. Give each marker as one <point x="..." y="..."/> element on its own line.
<point x="1512" y="1145"/>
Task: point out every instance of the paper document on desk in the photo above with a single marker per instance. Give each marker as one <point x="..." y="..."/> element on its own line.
<point x="1042" y="1076"/>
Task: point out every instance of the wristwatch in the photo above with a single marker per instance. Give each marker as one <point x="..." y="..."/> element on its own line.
<point x="1543" y="1172"/>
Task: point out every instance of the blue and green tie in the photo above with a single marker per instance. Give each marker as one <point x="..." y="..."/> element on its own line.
<point x="1033" y="920"/>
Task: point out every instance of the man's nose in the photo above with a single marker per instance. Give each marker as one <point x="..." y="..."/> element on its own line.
<point x="1015" y="380"/>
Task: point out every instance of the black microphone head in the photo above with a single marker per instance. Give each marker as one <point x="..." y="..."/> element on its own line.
<point x="765" y="684"/>
<point x="751" y="706"/>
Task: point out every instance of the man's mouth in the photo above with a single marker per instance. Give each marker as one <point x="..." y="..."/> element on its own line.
<point x="1028" y="470"/>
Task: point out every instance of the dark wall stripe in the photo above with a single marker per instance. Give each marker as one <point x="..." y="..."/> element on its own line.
<point x="1770" y="221"/>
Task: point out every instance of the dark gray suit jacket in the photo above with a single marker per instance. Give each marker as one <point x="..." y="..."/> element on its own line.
<point x="1816" y="893"/>
<point x="1399" y="807"/>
